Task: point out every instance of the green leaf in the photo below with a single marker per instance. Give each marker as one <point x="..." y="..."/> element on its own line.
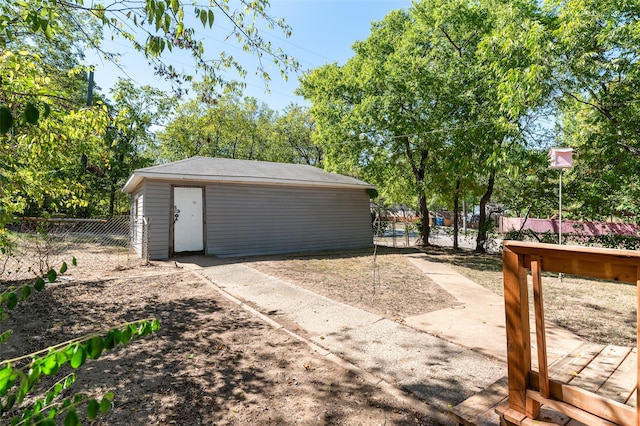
<point x="112" y="339"/>
<point x="6" y="379"/>
<point x="26" y="292"/>
<point x="63" y="268"/>
<point x="79" y="357"/>
<point x="12" y="301"/>
<point x="105" y="405"/>
<point x="6" y="119"/>
<point x="203" y="17"/>
<point x="211" y="17"/>
<point x="50" y="365"/>
<point x="31" y="114"/>
<point x="52" y="275"/>
<point x="11" y="400"/>
<point x="39" y="284"/>
<point x="71" y="379"/>
<point x="71" y="419"/>
<point x="47" y="111"/>
<point x="4" y="336"/>
<point x="93" y="408"/>
<point x="74" y="261"/>
<point x="155" y="325"/>
<point x="126" y="335"/>
<point x="95" y="345"/>
<point x="34" y="373"/>
<point x="61" y="357"/>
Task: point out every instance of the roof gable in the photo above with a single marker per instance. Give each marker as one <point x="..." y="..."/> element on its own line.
<point x="206" y="169"/>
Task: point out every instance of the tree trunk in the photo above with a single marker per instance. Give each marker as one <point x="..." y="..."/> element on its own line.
<point x="112" y="200"/>
<point x="482" y="224"/>
<point x="425" y="228"/>
<point x="456" y="214"/>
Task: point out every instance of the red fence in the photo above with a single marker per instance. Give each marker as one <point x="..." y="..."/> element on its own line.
<point x="508" y="224"/>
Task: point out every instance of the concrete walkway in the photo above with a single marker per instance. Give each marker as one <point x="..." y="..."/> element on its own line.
<point x="467" y="356"/>
<point x="478" y="321"/>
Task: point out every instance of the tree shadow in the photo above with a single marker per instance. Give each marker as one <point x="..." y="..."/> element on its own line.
<point x="211" y="362"/>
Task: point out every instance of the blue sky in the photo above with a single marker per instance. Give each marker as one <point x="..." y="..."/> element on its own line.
<point x="323" y="32"/>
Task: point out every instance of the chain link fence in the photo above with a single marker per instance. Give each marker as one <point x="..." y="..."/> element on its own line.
<point x="395" y="234"/>
<point x="35" y="245"/>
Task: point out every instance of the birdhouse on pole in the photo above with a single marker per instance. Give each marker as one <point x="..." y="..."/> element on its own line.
<point x="561" y="158"/>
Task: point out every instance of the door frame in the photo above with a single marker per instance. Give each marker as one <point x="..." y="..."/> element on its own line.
<point x="204" y="219"/>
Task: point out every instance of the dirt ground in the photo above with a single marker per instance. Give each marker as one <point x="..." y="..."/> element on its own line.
<point x="384" y="283"/>
<point x="210" y="363"/>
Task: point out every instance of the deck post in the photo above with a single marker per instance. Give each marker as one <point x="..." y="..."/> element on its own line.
<point x="638" y="340"/>
<point x="541" y="334"/>
<point x="518" y="337"/>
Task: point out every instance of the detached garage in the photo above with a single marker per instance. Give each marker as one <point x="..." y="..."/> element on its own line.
<point x="227" y="207"/>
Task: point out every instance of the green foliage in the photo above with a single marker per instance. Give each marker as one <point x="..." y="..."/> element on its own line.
<point x="153" y="28"/>
<point x="417" y="109"/>
<point x="240" y="128"/>
<point x="20" y="376"/>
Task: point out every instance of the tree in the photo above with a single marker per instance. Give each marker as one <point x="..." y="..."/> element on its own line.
<point x="597" y="75"/>
<point x="294" y="130"/>
<point x="48" y="137"/>
<point x="230" y="128"/>
<point x="153" y="28"/>
<point x="130" y="139"/>
<point x="421" y="99"/>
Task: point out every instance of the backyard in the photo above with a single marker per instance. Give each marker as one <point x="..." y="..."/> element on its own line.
<point x="213" y="362"/>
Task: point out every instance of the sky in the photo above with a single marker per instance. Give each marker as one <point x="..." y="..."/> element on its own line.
<point x="323" y="32"/>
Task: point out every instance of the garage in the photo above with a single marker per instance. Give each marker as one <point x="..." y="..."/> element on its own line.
<point x="227" y="207"/>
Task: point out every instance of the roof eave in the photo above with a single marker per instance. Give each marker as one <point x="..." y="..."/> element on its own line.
<point x="132" y="183"/>
<point x="137" y="177"/>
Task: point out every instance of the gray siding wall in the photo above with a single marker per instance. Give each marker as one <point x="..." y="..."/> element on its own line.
<point x="137" y="222"/>
<point x="157" y="211"/>
<point x="251" y="220"/>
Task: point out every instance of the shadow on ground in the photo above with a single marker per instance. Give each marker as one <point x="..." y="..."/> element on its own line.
<point x="210" y="363"/>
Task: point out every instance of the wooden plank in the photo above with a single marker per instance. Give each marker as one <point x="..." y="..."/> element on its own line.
<point x="512" y="416"/>
<point x="586" y="401"/>
<point x="517" y="330"/>
<point x="574" y="422"/>
<point x="541" y="337"/>
<point x="590" y="268"/>
<point x="622" y="383"/>
<point x="637" y="398"/>
<point x="474" y="408"/>
<point x="594" y="375"/>
<point x="569" y="367"/>
<point x="633" y="399"/>
<point x="548" y="417"/>
<point x="610" y="264"/>
<point x="571" y="410"/>
<point x="590" y="253"/>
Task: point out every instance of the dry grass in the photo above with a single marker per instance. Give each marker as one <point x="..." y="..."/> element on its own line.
<point x="386" y="283"/>
<point x="597" y="310"/>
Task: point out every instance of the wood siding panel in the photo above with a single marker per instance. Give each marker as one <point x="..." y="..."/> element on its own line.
<point x="251" y="220"/>
<point x="157" y="211"/>
<point x="137" y="225"/>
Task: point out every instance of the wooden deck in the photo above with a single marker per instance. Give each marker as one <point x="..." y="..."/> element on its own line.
<point x="595" y="386"/>
<point x="607" y="371"/>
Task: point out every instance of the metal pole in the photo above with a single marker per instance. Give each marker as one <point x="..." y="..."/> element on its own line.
<point x="560" y="211"/>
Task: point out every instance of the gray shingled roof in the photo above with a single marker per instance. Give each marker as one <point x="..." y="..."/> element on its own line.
<point x="205" y="169"/>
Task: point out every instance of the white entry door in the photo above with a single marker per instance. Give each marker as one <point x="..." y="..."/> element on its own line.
<point x="188" y="225"/>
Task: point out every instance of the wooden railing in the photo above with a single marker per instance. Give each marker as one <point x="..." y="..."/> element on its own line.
<point x="529" y="389"/>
